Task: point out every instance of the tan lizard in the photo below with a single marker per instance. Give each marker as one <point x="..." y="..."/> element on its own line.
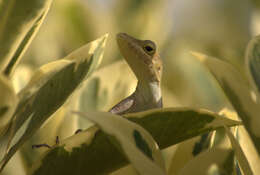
<point x="143" y="58"/>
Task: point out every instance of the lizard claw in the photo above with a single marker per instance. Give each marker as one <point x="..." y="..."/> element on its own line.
<point x="78" y="131"/>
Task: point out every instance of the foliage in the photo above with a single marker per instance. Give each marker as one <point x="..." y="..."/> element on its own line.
<point x="37" y="107"/>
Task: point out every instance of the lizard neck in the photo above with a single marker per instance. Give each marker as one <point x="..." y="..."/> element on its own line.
<point x="149" y="94"/>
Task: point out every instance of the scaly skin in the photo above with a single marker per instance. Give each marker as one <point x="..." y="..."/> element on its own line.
<point x="142" y="57"/>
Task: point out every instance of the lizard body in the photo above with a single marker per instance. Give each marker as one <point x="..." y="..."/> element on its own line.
<point x="142" y="57"/>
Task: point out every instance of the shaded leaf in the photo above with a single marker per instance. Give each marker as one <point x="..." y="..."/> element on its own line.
<point x="183" y="153"/>
<point x="136" y="143"/>
<point x="129" y="170"/>
<point x="57" y="80"/>
<point x="172" y="123"/>
<point x="248" y="149"/>
<point x="17" y="18"/>
<point x="253" y="62"/>
<point x="239" y="93"/>
<point x="239" y="153"/>
<point x="99" y="95"/>
<point x="91" y="151"/>
<point x="206" y="162"/>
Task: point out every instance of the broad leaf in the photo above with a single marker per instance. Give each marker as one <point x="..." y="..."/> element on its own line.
<point x="253" y="62"/>
<point x="48" y="89"/>
<point x="239" y="93"/>
<point x="17" y="19"/>
<point x="91" y="151"/>
<point x="8" y="103"/>
<point x="170" y="126"/>
<point x="213" y="161"/>
<point x="131" y="139"/>
<point x="188" y="149"/>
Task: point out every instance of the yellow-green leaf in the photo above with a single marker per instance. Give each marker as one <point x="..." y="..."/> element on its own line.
<point x="206" y="163"/>
<point x="135" y="142"/>
<point x="17" y="19"/>
<point x="178" y="124"/>
<point x="240" y="94"/>
<point x="25" y="43"/>
<point x="91" y="151"/>
<point x="48" y="89"/>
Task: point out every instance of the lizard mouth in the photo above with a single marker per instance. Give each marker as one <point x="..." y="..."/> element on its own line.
<point x="133" y="44"/>
<point x="132" y="50"/>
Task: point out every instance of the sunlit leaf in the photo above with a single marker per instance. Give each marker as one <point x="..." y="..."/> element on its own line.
<point x="8" y="103"/>
<point x="91" y="151"/>
<point x="17" y="19"/>
<point x="136" y="143"/>
<point x="25" y="43"/>
<point x="57" y="80"/>
<point x="238" y="91"/>
<point x="218" y="160"/>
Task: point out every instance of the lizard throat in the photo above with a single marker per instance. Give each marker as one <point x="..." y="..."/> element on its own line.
<point x="149" y="93"/>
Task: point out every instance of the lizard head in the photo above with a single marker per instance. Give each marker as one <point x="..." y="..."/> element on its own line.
<point x="141" y="56"/>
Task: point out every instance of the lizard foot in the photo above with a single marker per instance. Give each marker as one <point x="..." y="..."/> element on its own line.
<point x="78" y="131"/>
<point x="57" y="141"/>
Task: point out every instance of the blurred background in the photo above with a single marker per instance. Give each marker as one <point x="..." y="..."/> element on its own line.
<point x="219" y="28"/>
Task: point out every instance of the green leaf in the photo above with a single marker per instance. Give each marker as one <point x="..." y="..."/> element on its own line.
<point x="242" y="160"/>
<point x="136" y="143"/>
<point x="17" y="20"/>
<point x="91" y="151"/>
<point x="8" y="103"/>
<point x="178" y="124"/>
<point x="216" y="159"/>
<point x="239" y="93"/>
<point x="49" y="89"/>
<point x="253" y="62"/>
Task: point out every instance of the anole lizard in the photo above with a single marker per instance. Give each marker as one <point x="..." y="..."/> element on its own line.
<point x="143" y="59"/>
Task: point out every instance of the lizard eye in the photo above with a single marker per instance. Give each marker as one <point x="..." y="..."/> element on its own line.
<point x="149" y="47"/>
